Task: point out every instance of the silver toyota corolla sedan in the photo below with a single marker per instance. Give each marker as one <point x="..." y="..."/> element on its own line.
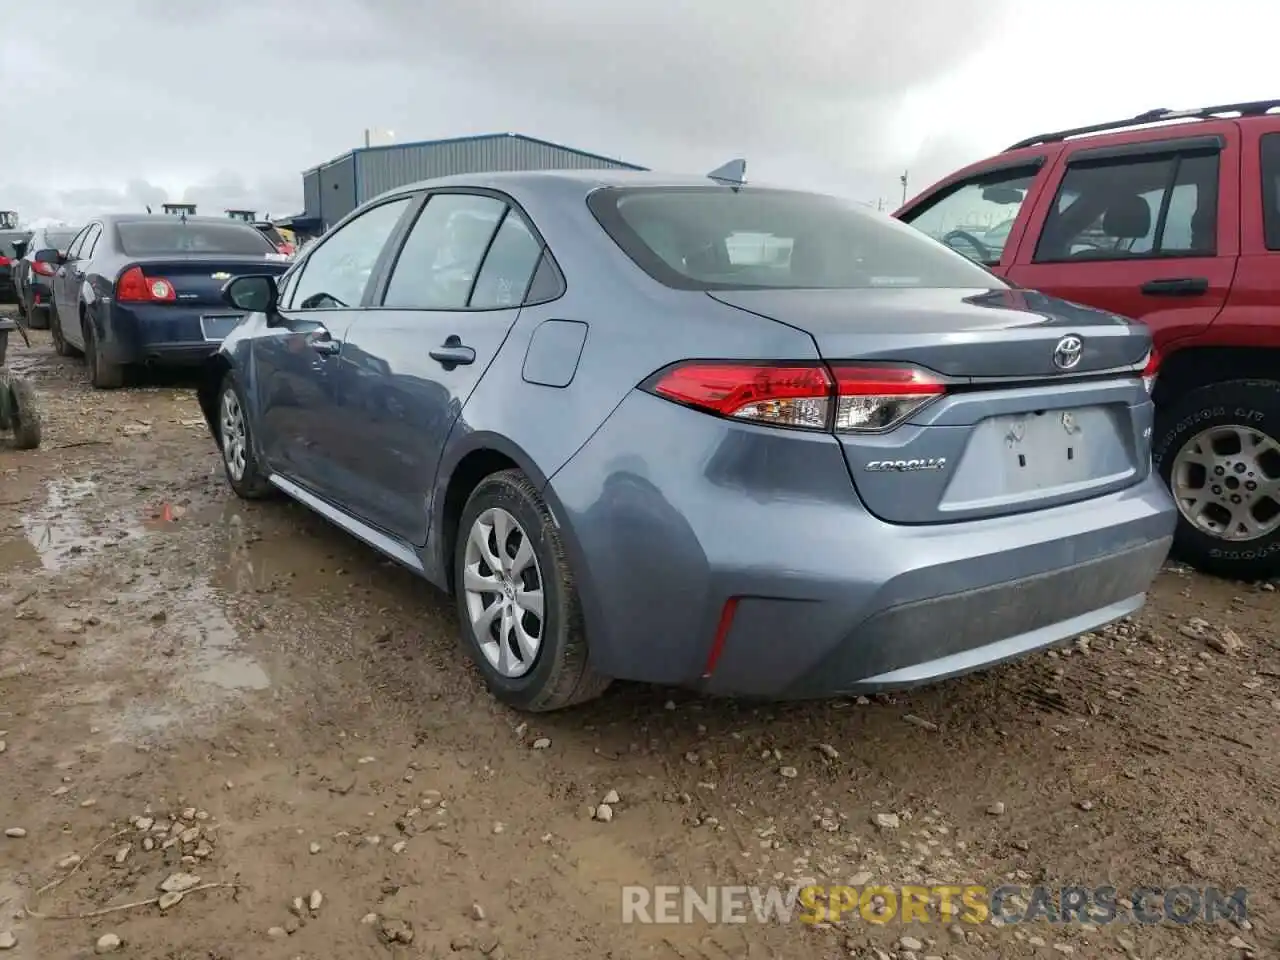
<point x="754" y="441"/>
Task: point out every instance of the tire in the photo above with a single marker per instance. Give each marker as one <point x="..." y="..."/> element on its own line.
<point x="38" y="318"/>
<point x="60" y="345"/>
<point x="559" y="673"/>
<point x="25" y="421"/>
<point x="1217" y="421"/>
<point x="103" y="375"/>
<point x="244" y="474"/>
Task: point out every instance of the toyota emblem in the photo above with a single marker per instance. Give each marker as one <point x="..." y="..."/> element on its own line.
<point x="1067" y="354"/>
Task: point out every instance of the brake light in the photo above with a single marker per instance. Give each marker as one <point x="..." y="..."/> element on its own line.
<point x="810" y="396"/>
<point x="136" y="287"/>
<point x="42" y="267"/>
<point x="4" y="261"/>
<point x="1151" y="369"/>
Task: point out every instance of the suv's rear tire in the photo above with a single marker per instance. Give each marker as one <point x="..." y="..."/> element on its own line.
<point x="1201" y="438"/>
<point x="559" y="673"/>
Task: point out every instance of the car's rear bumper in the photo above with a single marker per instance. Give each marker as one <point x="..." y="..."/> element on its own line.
<point x="672" y="516"/>
<point x="8" y="290"/>
<point x="167" y="335"/>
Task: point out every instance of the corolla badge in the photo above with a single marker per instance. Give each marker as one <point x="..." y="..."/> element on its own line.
<point x="1067" y="354"/>
<point x="221" y="276"/>
<point x="906" y="466"/>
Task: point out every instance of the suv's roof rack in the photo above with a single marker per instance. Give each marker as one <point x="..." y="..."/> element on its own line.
<point x="1255" y="108"/>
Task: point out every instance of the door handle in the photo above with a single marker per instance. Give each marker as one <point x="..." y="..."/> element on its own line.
<point x="1176" y="287"/>
<point x="322" y="342"/>
<point x="453" y="353"/>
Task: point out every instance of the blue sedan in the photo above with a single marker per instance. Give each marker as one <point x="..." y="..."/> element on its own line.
<point x="754" y="441"/>
<point x="142" y="289"/>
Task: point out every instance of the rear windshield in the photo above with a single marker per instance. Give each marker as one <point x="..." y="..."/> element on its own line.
<point x="716" y="238"/>
<point x="146" y="237"/>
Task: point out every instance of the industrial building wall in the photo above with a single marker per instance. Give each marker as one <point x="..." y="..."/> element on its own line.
<point x="311" y="192"/>
<point x="385" y="168"/>
<point x="337" y="190"/>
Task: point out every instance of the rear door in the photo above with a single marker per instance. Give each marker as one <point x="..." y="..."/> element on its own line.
<point x="1147" y="228"/>
<point x="63" y="285"/>
<point x="296" y="362"/>
<point x="450" y="299"/>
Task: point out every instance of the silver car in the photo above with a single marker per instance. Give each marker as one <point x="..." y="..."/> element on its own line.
<point x="753" y="441"/>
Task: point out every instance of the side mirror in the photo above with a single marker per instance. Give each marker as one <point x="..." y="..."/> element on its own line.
<point x="256" y="293"/>
<point x="49" y="256"/>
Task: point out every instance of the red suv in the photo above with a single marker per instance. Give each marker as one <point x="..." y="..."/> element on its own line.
<point x="1171" y="217"/>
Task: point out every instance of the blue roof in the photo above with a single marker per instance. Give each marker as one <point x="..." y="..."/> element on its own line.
<point x="475" y="139"/>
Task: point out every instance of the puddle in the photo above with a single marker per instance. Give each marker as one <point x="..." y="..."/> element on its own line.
<point x="162" y="650"/>
<point x="65" y="527"/>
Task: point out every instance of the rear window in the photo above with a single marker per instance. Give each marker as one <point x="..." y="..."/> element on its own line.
<point x="147" y="237"/>
<point x="716" y="238"/>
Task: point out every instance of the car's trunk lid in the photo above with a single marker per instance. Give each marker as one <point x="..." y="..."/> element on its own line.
<point x="198" y="280"/>
<point x="1043" y="405"/>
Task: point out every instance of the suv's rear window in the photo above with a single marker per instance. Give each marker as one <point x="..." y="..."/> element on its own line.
<point x="718" y="238"/>
<point x="148" y="237"/>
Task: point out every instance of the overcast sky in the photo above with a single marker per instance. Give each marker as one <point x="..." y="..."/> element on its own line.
<point x="113" y="104"/>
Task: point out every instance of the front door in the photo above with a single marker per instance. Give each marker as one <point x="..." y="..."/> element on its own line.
<point x="446" y="308"/>
<point x="65" y="287"/>
<point x="298" y="369"/>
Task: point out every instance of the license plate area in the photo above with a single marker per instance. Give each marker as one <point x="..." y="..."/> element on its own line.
<point x="217" y="327"/>
<point x="1044" y="449"/>
<point x="1052" y="455"/>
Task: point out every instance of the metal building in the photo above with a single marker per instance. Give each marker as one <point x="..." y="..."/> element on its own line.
<point x="332" y="190"/>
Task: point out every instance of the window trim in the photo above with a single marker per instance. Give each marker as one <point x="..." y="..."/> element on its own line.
<point x="380" y="292"/>
<point x="379" y="263"/>
<point x="77" y="242"/>
<point x="1270" y="189"/>
<point x="1211" y="143"/>
<point x="1105" y="157"/>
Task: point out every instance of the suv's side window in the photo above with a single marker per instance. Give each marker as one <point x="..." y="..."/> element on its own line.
<point x="1271" y="189"/>
<point x="1134" y="208"/>
<point x="438" y="265"/>
<point x="337" y="271"/>
<point x="976" y="216"/>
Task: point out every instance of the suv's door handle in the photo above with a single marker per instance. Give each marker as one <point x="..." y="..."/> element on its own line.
<point x="454" y="352"/>
<point x="1176" y="287"/>
<point x="322" y="342"/>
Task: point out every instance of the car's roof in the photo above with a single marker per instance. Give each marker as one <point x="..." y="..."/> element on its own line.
<point x="118" y="218"/>
<point x="587" y="180"/>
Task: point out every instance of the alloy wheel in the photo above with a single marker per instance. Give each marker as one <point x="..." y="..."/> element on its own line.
<point x="234" y="435"/>
<point x="503" y="584"/>
<point x="1226" y="481"/>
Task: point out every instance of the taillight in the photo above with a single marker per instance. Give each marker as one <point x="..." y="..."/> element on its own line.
<point x="136" y="287"/>
<point x="845" y="397"/>
<point x="42" y="267"/>
<point x="1151" y="369"/>
<point x="4" y="261"/>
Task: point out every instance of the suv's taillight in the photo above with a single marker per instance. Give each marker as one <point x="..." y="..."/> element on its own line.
<point x="845" y="397"/>
<point x="1151" y="369"/>
<point x="133" y="286"/>
<point x="4" y="261"/>
<point x="42" y="267"/>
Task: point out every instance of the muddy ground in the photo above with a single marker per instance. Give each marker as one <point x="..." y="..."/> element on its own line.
<point x="289" y="713"/>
